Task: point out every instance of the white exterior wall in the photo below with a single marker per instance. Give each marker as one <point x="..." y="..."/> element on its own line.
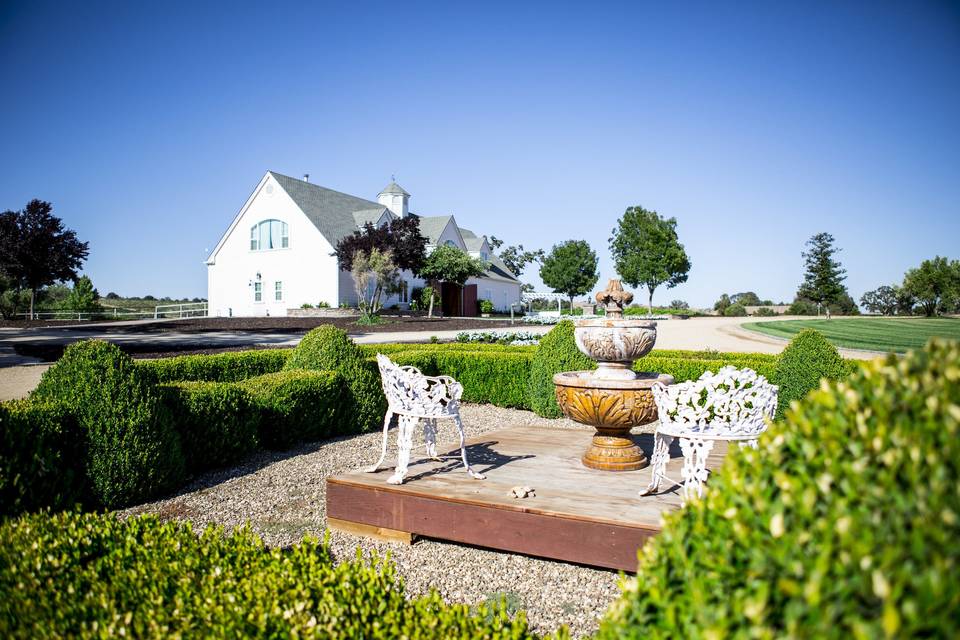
<point x="501" y="294"/>
<point x="306" y="268"/>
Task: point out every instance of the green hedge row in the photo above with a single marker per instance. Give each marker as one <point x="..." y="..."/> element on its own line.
<point x="74" y="575"/>
<point x="843" y="524"/>
<point x="42" y="456"/>
<point x="220" y="367"/>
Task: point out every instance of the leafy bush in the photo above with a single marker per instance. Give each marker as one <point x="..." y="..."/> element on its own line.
<point x="89" y="575"/>
<point x="808" y="358"/>
<point x="557" y="352"/>
<point x="299" y="406"/>
<point x="217" y="422"/>
<point x="134" y="452"/>
<point x="42" y="453"/>
<point x="842" y="525"/>
<point x="327" y="348"/>
<point x="735" y="310"/>
<point x="486" y="306"/>
<point x="765" y="312"/>
<point x="220" y="367"/>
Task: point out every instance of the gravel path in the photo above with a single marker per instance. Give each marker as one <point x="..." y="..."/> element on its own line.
<point x="282" y="495"/>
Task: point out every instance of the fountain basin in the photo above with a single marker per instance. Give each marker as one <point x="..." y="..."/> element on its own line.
<point x="612" y="407"/>
<point x="615" y="343"/>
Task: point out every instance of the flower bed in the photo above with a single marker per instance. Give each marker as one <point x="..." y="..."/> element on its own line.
<point x="518" y="338"/>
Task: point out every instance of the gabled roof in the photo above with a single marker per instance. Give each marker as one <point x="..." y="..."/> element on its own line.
<point x="432" y="227"/>
<point x="331" y="212"/>
<point x="497" y="270"/>
<point x="370" y="215"/>
<point x="393" y="187"/>
<point x="471" y="240"/>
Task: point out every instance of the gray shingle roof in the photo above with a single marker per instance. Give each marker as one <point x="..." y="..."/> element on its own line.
<point x="499" y="271"/>
<point x="471" y="240"/>
<point x="369" y="215"/>
<point x="330" y="211"/>
<point x="432" y="227"/>
<point x="393" y="187"/>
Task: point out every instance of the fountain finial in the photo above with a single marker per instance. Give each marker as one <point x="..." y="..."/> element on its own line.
<point x="614" y="298"/>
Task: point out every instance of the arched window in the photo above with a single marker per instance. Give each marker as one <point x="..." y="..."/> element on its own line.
<point x="451" y="243"/>
<point x="269" y="234"/>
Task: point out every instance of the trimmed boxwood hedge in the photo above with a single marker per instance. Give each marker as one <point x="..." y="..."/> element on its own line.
<point x="557" y="352"/>
<point x="808" y="359"/>
<point x="843" y="524"/>
<point x="42" y="454"/>
<point x="89" y="575"/>
<point x="133" y="450"/>
<point x="217" y="422"/>
<point x="219" y="367"/>
<point x="299" y="406"/>
<point x="327" y="348"/>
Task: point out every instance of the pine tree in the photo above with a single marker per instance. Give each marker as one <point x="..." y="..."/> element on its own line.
<point x="823" y="280"/>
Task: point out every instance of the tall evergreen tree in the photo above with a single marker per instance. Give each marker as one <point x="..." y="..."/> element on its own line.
<point x="824" y="276"/>
<point x="570" y="268"/>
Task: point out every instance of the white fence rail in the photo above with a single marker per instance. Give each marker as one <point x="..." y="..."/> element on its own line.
<point x="185" y="310"/>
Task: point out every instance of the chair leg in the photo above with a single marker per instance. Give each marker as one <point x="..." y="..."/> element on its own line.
<point x="658" y="466"/>
<point x="383" y="450"/>
<point x="463" y="450"/>
<point x="404" y="444"/>
<point x="430" y="437"/>
<point x="694" y="472"/>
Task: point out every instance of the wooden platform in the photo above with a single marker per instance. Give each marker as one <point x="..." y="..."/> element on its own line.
<point x="578" y="514"/>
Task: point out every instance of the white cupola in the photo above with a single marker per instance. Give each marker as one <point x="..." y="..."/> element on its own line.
<point x="393" y="197"/>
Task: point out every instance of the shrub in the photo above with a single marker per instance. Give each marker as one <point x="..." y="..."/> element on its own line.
<point x="217" y="422"/>
<point x="808" y="358"/>
<point x="299" y="406"/>
<point x="765" y="312"/>
<point x="145" y="579"/>
<point x="494" y="378"/>
<point x="42" y="453"/>
<point x="557" y="352"/>
<point x="220" y="367"/>
<point x="327" y="348"/>
<point x="486" y="306"/>
<point x="842" y="525"/>
<point x="134" y="452"/>
<point x="735" y="310"/>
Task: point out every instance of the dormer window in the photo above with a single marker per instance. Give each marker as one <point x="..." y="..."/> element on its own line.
<point x="269" y="234"/>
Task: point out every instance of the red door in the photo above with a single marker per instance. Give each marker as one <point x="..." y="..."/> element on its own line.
<point x="470" y="300"/>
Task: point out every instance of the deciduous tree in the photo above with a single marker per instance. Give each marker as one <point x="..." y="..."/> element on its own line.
<point x="374" y="273"/>
<point x="401" y="237"/>
<point x="36" y="250"/>
<point x="84" y="297"/>
<point x="935" y="284"/>
<point x="570" y="268"/>
<point x="646" y="251"/>
<point x="882" y="300"/>
<point x="450" y="264"/>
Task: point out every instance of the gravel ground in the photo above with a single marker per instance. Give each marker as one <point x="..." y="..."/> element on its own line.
<point x="282" y="496"/>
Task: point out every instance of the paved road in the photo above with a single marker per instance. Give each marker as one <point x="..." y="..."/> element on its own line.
<point x="17" y="380"/>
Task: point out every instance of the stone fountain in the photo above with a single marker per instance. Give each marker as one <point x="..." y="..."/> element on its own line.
<point x="613" y="398"/>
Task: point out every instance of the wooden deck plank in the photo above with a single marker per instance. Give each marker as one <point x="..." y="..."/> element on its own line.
<point x="594" y="517"/>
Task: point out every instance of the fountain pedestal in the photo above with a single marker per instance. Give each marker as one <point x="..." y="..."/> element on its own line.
<point x="613" y="399"/>
<point x="612" y="407"/>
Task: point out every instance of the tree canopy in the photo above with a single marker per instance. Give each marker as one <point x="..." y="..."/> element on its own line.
<point x="935" y="285"/>
<point x="83" y="296"/>
<point x="824" y="276"/>
<point x="882" y="300"/>
<point x="515" y="256"/>
<point x="646" y="251"/>
<point x="450" y="264"/>
<point x="400" y="237"/>
<point x="36" y="250"/>
<point x="570" y="268"/>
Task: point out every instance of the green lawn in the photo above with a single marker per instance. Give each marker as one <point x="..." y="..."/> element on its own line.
<point x="872" y="334"/>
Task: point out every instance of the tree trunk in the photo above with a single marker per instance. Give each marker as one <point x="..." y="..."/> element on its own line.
<point x="33" y="295"/>
<point x="571" y="305"/>
<point x="430" y="312"/>
<point x="650" y="302"/>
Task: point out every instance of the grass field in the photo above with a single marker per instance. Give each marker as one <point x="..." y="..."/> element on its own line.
<point x="872" y="334"/>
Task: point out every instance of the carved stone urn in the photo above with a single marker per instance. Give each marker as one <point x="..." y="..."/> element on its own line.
<point x="614" y="398"/>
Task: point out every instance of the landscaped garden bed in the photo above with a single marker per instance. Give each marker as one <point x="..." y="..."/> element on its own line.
<point x="840" y="524"/>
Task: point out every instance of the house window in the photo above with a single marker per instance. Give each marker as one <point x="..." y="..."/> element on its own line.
<point x="484" y="256"/>
<point x="450" y="243"/>
<point x="278" y="291"/>
<point x="269" y="234"/>
<point x="258" y="292"/>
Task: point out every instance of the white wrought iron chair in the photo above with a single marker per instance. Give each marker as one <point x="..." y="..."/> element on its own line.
<point x="413" y="397"/>
<point x="732" y="405"/>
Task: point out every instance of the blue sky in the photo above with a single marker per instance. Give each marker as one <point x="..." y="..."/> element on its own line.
<point x="756" y="126"/>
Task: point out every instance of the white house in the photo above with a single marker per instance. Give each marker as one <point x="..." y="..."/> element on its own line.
<point x="277" y="254"/>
